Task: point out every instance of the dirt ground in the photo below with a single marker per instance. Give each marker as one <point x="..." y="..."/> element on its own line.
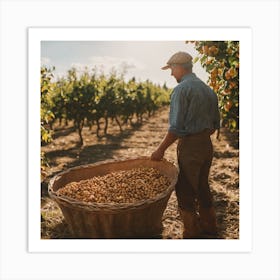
<point x="64" y="153"/>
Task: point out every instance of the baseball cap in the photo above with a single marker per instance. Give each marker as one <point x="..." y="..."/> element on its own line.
<point x="178" y="58"/>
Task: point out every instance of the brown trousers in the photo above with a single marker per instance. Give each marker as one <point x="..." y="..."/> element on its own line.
<point x="195" y="153"/>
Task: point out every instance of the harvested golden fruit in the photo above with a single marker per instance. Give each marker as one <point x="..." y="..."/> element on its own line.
<point x="125" y="186"/>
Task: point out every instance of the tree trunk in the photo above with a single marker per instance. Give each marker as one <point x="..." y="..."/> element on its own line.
<point x="106" y="125"/>
<point x="98" y="128"/>
<point x="80" y="128"/>
<point x="119" y="124"/>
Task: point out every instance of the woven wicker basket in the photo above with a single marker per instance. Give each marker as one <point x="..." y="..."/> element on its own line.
<point x="105" y="220"/>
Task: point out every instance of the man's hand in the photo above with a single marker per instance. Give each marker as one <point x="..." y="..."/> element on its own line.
<point x="157" y="154"/>
<point x="169" y="139"/>
<point x="212" y="131"/>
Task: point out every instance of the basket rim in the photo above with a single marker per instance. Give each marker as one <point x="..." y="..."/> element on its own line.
<point x="93" y="206"/>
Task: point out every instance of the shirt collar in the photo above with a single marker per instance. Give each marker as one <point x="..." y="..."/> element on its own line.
<point x="188" y="77"/>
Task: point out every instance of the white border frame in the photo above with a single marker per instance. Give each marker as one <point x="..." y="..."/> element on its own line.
<point x="36" y="35"/>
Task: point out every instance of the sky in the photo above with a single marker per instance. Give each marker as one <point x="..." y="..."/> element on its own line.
<point x="141" y="59"/>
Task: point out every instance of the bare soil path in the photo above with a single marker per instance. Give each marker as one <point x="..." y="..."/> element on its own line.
<point x="63" y="153"/>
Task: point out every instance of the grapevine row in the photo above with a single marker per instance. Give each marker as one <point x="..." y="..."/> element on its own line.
<point x="89" y="99"/>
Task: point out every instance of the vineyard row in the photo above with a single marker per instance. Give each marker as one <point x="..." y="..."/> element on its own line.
<point x="89" y="99"/>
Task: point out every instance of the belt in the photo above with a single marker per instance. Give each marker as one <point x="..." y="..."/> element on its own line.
<point x="206" y="131"/>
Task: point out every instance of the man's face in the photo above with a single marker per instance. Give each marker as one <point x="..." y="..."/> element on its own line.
<point x="177" y="72"/>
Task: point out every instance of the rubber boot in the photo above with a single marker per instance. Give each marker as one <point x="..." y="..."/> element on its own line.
<point x="208" y="223"/>
<point x="191" y="224"/>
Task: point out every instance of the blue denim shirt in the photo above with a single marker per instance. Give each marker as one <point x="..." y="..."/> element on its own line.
<point x="193" y="107"/>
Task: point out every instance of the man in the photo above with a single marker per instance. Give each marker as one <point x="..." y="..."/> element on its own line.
<point x="193" y="117"/>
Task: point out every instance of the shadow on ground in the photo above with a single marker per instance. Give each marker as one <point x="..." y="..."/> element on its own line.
<point x="232" y="138"/>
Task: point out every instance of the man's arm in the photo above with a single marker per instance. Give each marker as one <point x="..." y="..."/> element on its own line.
<point x="169" y="139"/>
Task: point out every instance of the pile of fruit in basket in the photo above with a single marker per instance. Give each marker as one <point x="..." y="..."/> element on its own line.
<point x="124" y="186"/>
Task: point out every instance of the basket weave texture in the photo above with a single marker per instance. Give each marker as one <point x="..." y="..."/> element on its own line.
<point x="142" y="219"/>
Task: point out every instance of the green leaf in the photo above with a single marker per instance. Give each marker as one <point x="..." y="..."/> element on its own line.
<point x="233" y="123"/>
<point x="202" y="60"/>
<point x="210" y="67"/>
<point x="232" y="61"/>
<point x="195" y="59"/>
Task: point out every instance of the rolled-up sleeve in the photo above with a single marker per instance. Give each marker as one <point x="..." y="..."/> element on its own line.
<point x="176" y="114"/>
